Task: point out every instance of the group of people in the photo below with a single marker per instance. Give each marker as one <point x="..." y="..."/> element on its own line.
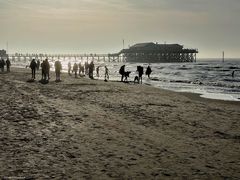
<point x="125" y="74"/>
<point x="106" y="73"/>
<point x="86" y="69"/>
<point x="45" y="66"/>
<point x="4" y="63"/>
<point x="81" y="69"/>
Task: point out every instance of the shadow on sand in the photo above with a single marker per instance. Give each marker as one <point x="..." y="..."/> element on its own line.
<point x="43" y="81"/>
<point x="30" y="80"/>
<point x="58" y="81"/>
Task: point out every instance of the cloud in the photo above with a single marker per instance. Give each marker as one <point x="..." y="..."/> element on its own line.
<point x="74" y="21"/>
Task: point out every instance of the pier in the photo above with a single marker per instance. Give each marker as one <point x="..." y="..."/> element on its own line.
<point x="141" y="53"/>
<point x="52" y="57"/>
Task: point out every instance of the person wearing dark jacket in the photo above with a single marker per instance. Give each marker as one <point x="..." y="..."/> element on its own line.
<point x="2" y="64"/>
<point x="140" y="73"/>
<point x="47" y="66"/>
<point x="8" y="63"/>
<point x="38" y="64"/>
<point x="33" y="66"/>
<point x="91" y="69"/>
<point x="75" y="69"/>
<point x="43" y="72"/>
<point x="122" y="72"/>
<point x="69" y="68"/>
<point x="148" y="71"/>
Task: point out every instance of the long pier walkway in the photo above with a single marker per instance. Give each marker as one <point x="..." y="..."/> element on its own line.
<point x="86" y="57"/>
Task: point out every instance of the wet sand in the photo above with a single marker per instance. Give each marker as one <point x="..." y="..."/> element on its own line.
<point x="89" y="129"/>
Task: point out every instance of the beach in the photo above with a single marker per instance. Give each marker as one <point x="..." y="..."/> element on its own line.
<point x="91" y="129"/>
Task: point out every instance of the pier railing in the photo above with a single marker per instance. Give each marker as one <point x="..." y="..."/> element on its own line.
<point x="87" y="57"/>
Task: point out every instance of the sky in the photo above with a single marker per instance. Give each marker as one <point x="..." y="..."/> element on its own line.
<point x="99" y="26"/>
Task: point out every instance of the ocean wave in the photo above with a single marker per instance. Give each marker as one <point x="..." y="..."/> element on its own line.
<point x="181" y="81"/>
<point x="232" y="80"/>
<point x="184" y="68"/>
<point x="159" y="67"/>
<point x="214" y="75"/>
<point x="233" y="67"/>
<point x="223" y="85"/>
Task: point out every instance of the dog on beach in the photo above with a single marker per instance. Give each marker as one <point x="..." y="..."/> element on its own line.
<point x="126" y="75"/>
<point x="136" y="79"/>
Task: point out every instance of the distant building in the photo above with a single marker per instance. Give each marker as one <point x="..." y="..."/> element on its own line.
<point x="157" y="53"/>
<point x="3" y="54"/>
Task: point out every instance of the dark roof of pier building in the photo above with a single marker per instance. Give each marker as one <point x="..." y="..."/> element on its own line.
<point x="155" y="47"/>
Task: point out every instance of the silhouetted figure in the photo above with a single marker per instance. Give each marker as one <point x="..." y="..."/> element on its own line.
<point x="38" y="64"/>
<point x="33" y="66"/>
<point x="79" y="68"/>
<point x="106" y="74"/>
<point x="91" y="69"/>
<point x="69" y="68"/>
<point x="122" y="72"/>
<point x="126" y="75"/>
<point x="148" y="71"/>
<point x="47" y="69"/>
<point x="75" y="69"/>
<point x="233" y="73"/>
<point x="58" y="68"/>
<point x="2" y="64"/>
<point x="140" y="73"/>
<point x="86" y="68"/>
<point x="136" y="79"/>
<point x="43" y="73"/>
<point x="97" y="71"/>
<point x="8" y="63"/>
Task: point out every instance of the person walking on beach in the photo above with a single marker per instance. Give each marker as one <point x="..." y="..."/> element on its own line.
<point x="43" y="72"/>
<point x="47" y="69"/>
<point x="75" y="69"/>
<point x="122" y="72"/>
<point x="69" y="68"/>
<point x="58" y="68"/>
<point x="82" y="69"/>
<point x="33" y="66"/>
<point x="148" y="71"/>
<point x="91" y="69"/>
<point x="2" y="64"/>
<point x="97" y="72"/>
<point x="86" y="68"/>
<point x="38" y="64"/>
<point x="140" y="73"/>
<point x="106" y="74"/>
<point x="79" y="68"/>
<point x="8" y="63"/>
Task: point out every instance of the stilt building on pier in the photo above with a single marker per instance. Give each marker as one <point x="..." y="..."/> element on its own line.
<point x="159" y="53"/>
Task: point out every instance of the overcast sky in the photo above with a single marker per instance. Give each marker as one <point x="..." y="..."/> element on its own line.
<point x="89" y="26"/>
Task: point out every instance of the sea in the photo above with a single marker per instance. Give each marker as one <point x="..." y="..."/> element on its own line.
<point x="211" y="78"/>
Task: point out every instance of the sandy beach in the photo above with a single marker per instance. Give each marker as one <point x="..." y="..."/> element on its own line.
<point x="91" y="129"/>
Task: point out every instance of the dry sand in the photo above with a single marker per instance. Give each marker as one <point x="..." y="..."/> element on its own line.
<point x="89" y="129"/>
